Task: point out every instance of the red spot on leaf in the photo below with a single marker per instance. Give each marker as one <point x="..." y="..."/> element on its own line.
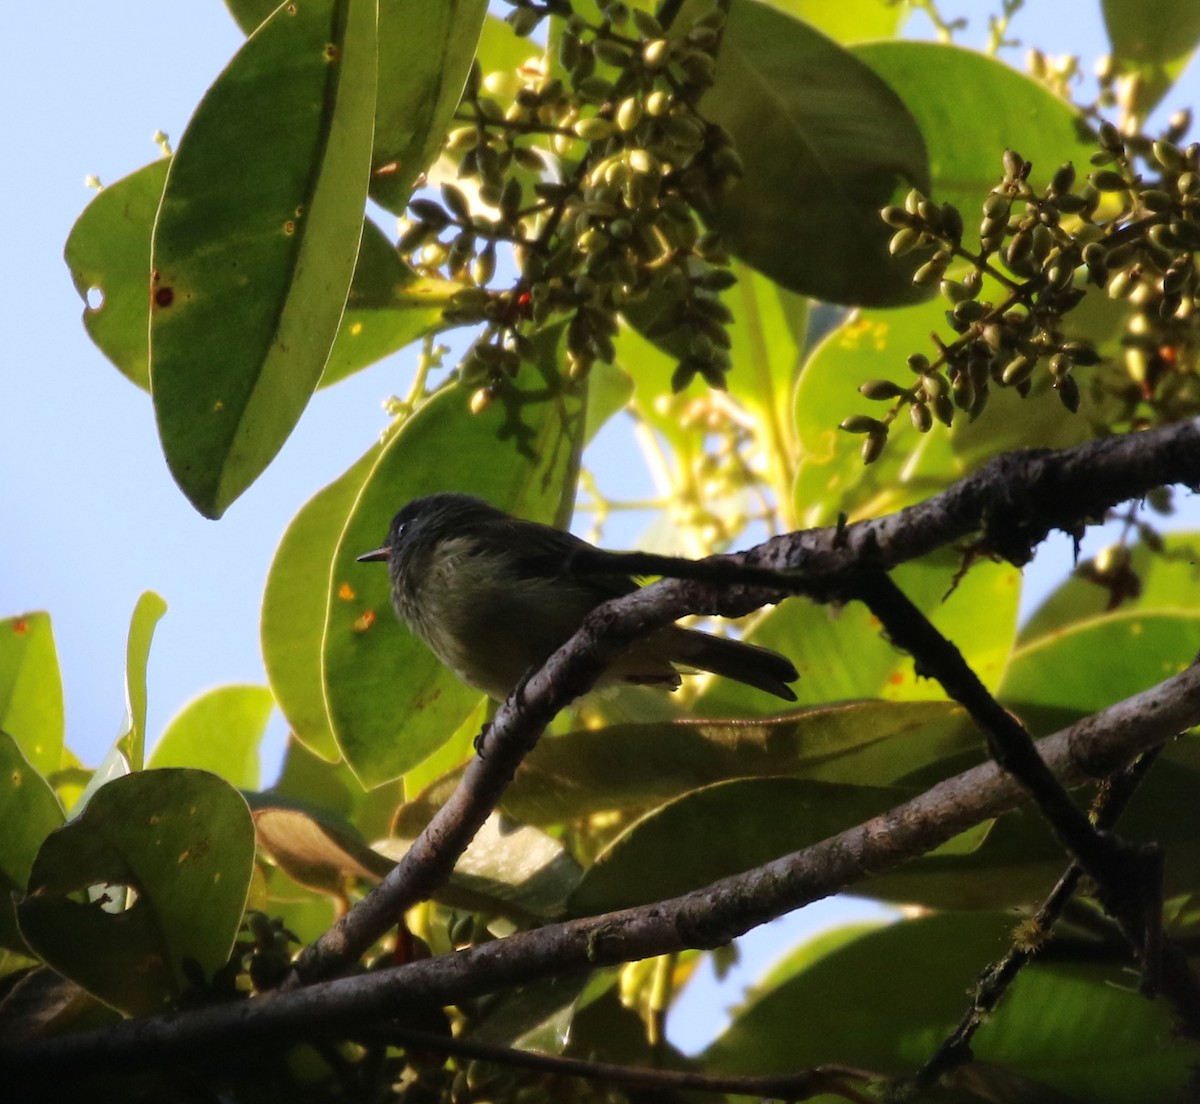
<point x="346" y="592"/>
<point x="364" y="621"/>
<point x="21" y="626"/>
<point x="895" y="678"/>
<point x="164" y="297"/>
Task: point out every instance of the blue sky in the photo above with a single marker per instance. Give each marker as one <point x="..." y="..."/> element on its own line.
<point x="90" y="515"/>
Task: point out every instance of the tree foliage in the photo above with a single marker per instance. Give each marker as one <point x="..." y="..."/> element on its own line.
<point x="714" y="220"/>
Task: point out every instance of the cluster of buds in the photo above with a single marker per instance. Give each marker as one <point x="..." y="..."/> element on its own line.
<point x="1132" y="233"/>
<point x="594" y="179"/>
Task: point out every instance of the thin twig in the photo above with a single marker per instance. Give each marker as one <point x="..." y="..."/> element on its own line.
<point x="998" y="978"/>
<point x="800" y="1085"/>
<point x="1122" y="873"/>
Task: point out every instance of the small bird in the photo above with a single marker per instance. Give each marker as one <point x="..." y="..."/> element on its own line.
<point x="492" y="596"/>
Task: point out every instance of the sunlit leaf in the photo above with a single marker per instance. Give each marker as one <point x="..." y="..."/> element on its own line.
<point x="424" y="56"/>
<point x="132" y="740"/>
<point x="251" y="268"/>
<point x="293" y="609"/>
<point x="219" y="732"/>
<point x="108" y="253"/>
<point x="388" y="307"/>
<point x="1168" y="579"/>
<point x="993" y="108"/>
<point x="31" y="696"/>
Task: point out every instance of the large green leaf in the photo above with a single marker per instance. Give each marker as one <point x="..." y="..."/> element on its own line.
<point x="424" y="56"/>
<point x="390" y="703"/>
<point x="251" y="268"/>
<point x="108" y="252"/>
<point x="849" y="20"/>
<point x="219" y="732"/>
<point x="29" y="811"/>
<point x="425" y="51"/>
<point x="183" y="841"/>
<point x="826" y="144"/>
<point x="1092" y="663"/>
<point x="1152" y="40"/>
<point x="293" y="609"/>
<point x="146" y="614"/>
<point x="587" y="772"/>
<point x="885" y="1000"/>
<point x="729" y="827"/>
<point x="31" y="697"/>
<point x="970" y="108"/>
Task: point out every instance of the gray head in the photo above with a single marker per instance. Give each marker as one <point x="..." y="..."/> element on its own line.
<point x="425" y="521"/>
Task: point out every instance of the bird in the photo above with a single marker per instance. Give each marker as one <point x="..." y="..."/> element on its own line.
<point x="493" y="596"/>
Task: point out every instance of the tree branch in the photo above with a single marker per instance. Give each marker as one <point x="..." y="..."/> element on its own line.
<point x="1013" y="502"/>
<point x="1128" y="879"/>
<point x="705" y="918"/>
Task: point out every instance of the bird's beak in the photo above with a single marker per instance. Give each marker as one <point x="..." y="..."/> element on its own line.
<point x="373" y="557"/>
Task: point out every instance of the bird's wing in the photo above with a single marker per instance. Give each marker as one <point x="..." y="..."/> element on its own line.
<point x="546" y="552"/>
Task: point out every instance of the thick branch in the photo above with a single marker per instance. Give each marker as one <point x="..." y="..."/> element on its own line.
<point x="704" y="918"/>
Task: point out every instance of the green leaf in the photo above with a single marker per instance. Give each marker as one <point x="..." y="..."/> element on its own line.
<point x="424" y="57"/>
<point x="1153" y="41"/>
<point x="390" y="703"/>
<point x="293" y="609"/>
<point x="108" y="252"/>
<point x="501" y="50"/>
<point x="29" y="811"/>
<point x="146" y="614"/>
<point x="31" y="696"/>
<point x="184" y="842"/>
<point x="248" y="14"/>
<point x="1085" y="667"/>
<point x="389" y="306"/>
<point x="232" y="371"/>
<point x="587" y="772"/>
<point x="769" y="332"/>
<point x="218" y="732"/>
<point x="826" y="144"/>
<point x="991" y="108"/>
<point x="848" y="21"/>
<point x="729" y="827"/>
<point x="888" y="998"/>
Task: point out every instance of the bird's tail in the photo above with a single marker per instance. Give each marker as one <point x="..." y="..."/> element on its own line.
<point x="748" y="663"/>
